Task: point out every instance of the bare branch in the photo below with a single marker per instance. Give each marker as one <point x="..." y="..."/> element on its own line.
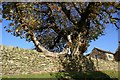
<point x="116" y="18"/>
<point x="116" y="26"/>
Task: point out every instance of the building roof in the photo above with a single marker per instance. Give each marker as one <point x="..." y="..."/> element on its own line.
<point x="87" y="55"/>
<point x="117" y="50"/>
<point x="103" y="50"/>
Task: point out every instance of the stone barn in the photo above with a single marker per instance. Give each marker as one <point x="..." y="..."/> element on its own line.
<point x="101" y="54"/>
<point x="117" y="54"/>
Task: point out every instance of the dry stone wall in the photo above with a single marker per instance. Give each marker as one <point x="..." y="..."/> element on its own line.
<point x="101" y="64"/>
<point x="22" y="61"/>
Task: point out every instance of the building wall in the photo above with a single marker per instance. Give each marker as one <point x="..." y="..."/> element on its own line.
<point x="109" y="56"/>
<point x="100" y="55"/>
<point x="117" y="56"/>
<point x="103" y="65"/>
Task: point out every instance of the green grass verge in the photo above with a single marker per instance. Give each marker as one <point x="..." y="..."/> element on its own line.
<point x="112" y="74"/>
<point x="45" y="75"/>
<point x="97" y="74"/>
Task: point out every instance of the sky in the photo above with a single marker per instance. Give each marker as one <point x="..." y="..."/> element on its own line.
<point x="108" y="42"/>
<point x="10" y="40"/>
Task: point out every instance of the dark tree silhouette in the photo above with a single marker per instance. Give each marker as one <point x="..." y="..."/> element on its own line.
<point x="49" y="24"/>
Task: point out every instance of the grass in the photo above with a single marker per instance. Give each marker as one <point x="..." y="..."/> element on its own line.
<point x="45" y="75"/>
<point x="112" y="74"/>
<point x="74" y="75"/>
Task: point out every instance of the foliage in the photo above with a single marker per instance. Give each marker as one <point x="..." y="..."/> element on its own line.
<point x="52" y="22"/>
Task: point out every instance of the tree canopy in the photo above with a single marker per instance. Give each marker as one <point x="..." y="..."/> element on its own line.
<point x="48" y="24"/>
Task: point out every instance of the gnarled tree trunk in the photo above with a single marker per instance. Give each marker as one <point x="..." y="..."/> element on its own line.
<point x="79" y="45"/>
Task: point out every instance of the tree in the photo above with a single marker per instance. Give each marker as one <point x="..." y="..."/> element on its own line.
<point x="56" y="26"/>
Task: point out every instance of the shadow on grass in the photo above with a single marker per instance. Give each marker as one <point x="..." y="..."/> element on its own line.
<point x="79" y="68"/>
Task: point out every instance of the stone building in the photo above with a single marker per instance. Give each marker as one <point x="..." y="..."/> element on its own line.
<point x="117" y="54"/>
<point x="101" y="54"/>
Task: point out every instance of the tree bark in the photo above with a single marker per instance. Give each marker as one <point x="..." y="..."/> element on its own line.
<point x="80" y="45"/>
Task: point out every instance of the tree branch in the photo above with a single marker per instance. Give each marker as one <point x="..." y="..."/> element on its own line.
<point x="76" y="8"/>
<point x="116" y="26"/>
<point x="41" y="48"/>
<point x="84" y="16"/>
<point x="67" y="12"/>
<point x="116" y="18"/>
<point x="112" y="18"/>
<point x="56" y="28"/>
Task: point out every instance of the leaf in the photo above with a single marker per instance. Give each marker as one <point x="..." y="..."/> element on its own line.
<point x="11" y="11"/>
<point x="4" y="26"/>
<point x="8" y="30"/>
